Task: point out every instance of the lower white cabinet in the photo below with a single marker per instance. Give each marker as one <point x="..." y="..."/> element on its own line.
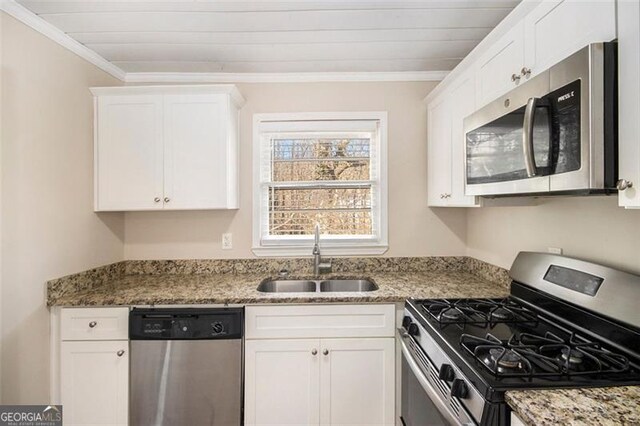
<point x="320" y="365"/>
<point x="94" y="382"/>
<point x="320" y="381"/>
<point x="94" y="365"/>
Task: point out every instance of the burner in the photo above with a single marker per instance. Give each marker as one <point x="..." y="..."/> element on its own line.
<point x="574" y="356"/>
<point x="452" y="314"/>
<point x="506" y="358"/>
<point x="501" y="314"/>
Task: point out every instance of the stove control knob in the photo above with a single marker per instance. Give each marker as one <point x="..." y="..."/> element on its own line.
<point x="413" y="329"/>
<point x="406" y="321"/>
<point x="446" y="373"/>
<point x="459" y="389"/>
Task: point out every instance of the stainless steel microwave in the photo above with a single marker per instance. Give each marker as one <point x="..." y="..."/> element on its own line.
<point x="556" y="133"/>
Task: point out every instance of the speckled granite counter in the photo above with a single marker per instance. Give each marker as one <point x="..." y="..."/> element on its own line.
<point x="598" y="406"/>
<point x="241" y="288"/>
<point x="235" y="281"/>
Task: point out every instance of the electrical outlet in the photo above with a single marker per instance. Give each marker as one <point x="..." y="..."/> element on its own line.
<point x="227" y="242"/>
<point x="554" y="250"/>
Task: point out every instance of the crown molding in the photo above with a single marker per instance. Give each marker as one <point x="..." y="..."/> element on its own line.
<point x="302" y="77"/>
<point x="32" y="20"/>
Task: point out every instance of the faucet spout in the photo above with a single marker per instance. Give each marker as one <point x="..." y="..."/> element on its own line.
<point x="318" y="265"/>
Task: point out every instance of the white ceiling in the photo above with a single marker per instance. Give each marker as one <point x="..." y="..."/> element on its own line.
<point x="272" y="36"/>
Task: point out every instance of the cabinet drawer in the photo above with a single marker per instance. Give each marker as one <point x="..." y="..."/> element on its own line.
<point x="264" y="322"/>
<point x="94" y="324"/>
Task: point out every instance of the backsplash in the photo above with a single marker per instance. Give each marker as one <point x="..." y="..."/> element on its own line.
<point x="269" y="267"/>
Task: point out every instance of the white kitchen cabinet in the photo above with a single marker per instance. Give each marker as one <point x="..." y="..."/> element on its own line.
<point x="357" y="381"/>
<point x="498" y="69"/>
<point x="344" y="375"/>
<point x="629" y="102"/>
<point x="128" y="152"/>
<point x="320" y="381"/>
<point x="166" y="148"/>
<point x="446" y="162"/>
<point x="94" y="382"/>
<point x="282" y="382"/>
<point x="556" y="29"/>
<point x="439" y="152"/>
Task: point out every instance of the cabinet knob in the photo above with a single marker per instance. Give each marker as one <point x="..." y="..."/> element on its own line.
<point x="92" y="324"/>
<point x="167" y="199"/>
<point x="515" y="78"/>
<point x="623" y="184"/>
<point x="314" y="352"/>
<point x="526" y="72"/>
<point x="157" y="199"/>
<point x="120" y="352"/>
<point x="325" y="352"/>
<point x="441" y="196"/>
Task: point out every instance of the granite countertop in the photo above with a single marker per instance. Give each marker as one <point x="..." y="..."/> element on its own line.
<point x="218" y="288"/>
<point x="593" y="406"/>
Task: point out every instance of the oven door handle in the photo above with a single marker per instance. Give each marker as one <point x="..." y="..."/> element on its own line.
<point x="424" y="382"/>
<point x="527" y="137"/>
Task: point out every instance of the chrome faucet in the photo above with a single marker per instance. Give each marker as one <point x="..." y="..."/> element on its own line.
<point x="319" y="267"/>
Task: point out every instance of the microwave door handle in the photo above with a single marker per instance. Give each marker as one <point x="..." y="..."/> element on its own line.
<point x="527" y="137"/>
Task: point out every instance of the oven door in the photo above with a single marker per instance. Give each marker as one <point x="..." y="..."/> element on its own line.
<point x="422" y="403"/>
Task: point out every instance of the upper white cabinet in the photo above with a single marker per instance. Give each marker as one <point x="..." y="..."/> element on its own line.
<point x="166" y="147"/>
<point x="629" y="102"/>
<point x="445" y="180"/>
<point x="556" y="29"/>
<point x="498" y="70"/>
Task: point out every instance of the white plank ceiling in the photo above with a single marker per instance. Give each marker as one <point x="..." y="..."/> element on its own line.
<point x="272" y="36"/>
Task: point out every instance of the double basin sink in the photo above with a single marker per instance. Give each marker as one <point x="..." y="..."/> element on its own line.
<point x="314" y="286"/>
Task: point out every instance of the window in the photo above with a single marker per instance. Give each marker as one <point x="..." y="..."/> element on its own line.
<point x="328" y="169"/>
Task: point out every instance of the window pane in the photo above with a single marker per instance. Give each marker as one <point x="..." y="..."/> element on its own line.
<point x="340" y="211"/>
<point x="316" y="159"/>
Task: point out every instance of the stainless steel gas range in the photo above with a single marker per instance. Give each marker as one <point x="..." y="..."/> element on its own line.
<point x="567" y="323"/>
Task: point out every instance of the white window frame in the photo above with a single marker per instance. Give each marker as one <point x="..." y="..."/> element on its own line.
<point x="340" y="246"/>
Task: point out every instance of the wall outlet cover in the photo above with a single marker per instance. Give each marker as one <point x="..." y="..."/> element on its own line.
<point x="227" y="241"/>
<point x="554" y="250"/>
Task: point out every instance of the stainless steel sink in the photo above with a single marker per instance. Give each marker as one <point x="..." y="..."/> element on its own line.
<point x="313" y="286"/>
<point x="287" y="286"/>
<point x="348" y="285"/>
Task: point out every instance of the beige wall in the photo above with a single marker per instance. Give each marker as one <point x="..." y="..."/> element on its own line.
<point x="414" y="229"/>
<point x="593" y="228"/>
<point x="48" y="226"/>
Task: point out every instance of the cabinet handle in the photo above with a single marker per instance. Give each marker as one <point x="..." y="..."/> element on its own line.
<point x="167" y="199"/>
<point x="92" y="324"/>
<point x="623" y="184"/>
<point x="325" y="352"/>
<point x="526" y="72"/>
<point x="157" y="199"/>
<point x="120" y="352"/>
<point x="515" y="78"/>
<point x="314" y="352"/>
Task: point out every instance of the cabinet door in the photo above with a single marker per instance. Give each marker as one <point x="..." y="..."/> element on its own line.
<point x="463" y="103"/>
<point x="95" y="382"/>
<point x="439" y="152"/>
<point x="195" y="151"/>
<point x="357" y="381"/>
<point x="282" y="382"/>
<point x="556" y="29"/>
<point x="497" y="66"/>
<point x="128" y="153"/>
<point x="629" y="100"/>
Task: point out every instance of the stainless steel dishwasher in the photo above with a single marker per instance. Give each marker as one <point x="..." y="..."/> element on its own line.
<point x="186" y="366"/>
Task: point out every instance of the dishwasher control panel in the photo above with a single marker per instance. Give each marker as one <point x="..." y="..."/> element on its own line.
<point x="185" y="324"/>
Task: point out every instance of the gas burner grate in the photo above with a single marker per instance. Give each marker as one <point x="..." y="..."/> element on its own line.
<point x="478" y="312"/>
<point x="530" y="356"/>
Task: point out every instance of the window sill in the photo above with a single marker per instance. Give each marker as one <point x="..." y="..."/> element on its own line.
<point x="327" y="250"/>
